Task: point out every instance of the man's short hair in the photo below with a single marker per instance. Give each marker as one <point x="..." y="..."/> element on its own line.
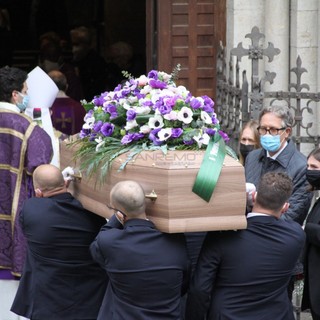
<point x="59" y="79"/>
<point x="11" y="79"/>
<point x="274" y="190"/>
<point x="283" y="112"/>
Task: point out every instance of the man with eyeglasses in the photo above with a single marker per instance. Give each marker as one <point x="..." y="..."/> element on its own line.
<point x="279" y="154"/>
<point x="147" y="269"/>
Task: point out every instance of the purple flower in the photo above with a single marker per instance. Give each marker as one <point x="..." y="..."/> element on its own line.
<point x="176" y="132"/>
<point x="124" y="92"/>
<point x="208" y="104"/>
<point x="214" y="120"/>
<point x="188" y="98"/>
<point x="98" y="100"/>
<point x="211" y="132"/>
<point x="224" y="136"/>
<point x="92" y="137"/>
<point x="140" y="95"/>
<point x="128" y="138"/>
<point x="188" y="142"/>
<point x="153" y="136"/>
<point x="133" y="84"/>
<point x="157" y="84"/>
<point x="88" y="115"/>
<point x="165" y="104"/>
<point x="112" y="110"/>
<point x="84" y="133"/>
<point x="147" y="103"/>
<point x="97" y="126"/>
<point x="195" y="103"/>
<point x="131" y="115"/>
<point x="170" y="101"/>
<point x="164" y="109"/>
<point x="153" y="74"/>
<point x="107" y="129"/>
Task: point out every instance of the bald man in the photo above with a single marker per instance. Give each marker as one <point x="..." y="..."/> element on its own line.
<point x="60" y="280"/>
<point x="147" y="269"/>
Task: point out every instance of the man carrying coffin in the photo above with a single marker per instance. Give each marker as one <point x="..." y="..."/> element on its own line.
<point x="244" y="274"/>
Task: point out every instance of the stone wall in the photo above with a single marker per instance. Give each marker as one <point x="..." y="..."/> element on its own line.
<point x="292" y="26"/>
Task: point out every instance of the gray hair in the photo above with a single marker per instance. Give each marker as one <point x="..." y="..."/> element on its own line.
<point x="283" y="112"/>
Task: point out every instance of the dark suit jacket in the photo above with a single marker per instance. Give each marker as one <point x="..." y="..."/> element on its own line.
<point x="294" y="164"/>
<point x="311" y="290"/>
<point x="60" y="280"/>
<point x="146" y="269"/>
<point x="243" y="275"/>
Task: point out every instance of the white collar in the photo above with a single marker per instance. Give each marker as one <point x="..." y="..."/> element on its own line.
<point x="256" y="214"/>
<point x="9" y="106"/>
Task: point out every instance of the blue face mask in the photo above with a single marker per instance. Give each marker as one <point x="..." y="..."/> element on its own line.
<point x="23" y="105"/>
<point x="270" y="143"/>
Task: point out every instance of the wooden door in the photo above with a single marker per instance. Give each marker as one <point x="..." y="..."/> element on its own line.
<point x="186" y="32"/>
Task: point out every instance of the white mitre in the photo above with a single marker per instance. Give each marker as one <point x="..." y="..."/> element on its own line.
<point x="42" y="92"/>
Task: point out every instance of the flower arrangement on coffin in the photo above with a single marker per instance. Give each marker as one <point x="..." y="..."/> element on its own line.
<point x="146" y="113"/>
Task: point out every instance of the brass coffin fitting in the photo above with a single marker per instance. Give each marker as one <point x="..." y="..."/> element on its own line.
<point x="77" y="174"/>
<point x="152" y="196"/>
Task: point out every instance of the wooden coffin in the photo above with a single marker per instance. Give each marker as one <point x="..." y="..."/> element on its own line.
<point x="168" y="181"/>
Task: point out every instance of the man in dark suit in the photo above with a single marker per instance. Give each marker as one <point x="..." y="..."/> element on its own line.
<point x="146" y="267"/>
<point x="60" y="280"/>
<point x="244" y="274"/>
<point x="279" y="154"/>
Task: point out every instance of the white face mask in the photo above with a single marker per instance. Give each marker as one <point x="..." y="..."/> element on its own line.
<point x="271" y="143"/>
<point x="24" y="103"/>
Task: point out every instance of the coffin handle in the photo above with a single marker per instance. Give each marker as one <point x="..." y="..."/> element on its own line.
<point x="152" y="196"/>
<point x="77" y="175"/>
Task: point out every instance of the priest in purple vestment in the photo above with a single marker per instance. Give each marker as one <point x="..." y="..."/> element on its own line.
<point x="23" y="147"/>
<point x="66" y="113"/>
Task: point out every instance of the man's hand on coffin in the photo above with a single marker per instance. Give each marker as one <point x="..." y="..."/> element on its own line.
<point x="68" y="175"/>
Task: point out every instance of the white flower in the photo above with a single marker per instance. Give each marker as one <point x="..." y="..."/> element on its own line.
<point x="145" y="129"/>
<point x="173" y="115"/>
<point x="131" y="124"/>
<point x="143" y="80"/>
<point x="205" y="117"/>
<point x="126" y="105"/>
<point x="156" y="122"/>
<point x="180" y="90"/>
<point x="146" y="89"/>
<point x="132" y="99"/>
<point x="185" y="115"/>
<point x="155" y="95"/>
<point x="100" y="143"/>
<point x="89" y="122"/>
<point x="164" y="134"/>
<point x="167" y="93"/>
<point x="142" y="110"/>
<point x="202" y="139"/>
<point x="164" y="76"/>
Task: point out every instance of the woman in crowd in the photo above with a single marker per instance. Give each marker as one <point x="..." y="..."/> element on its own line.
<point x="311" y="292"/>
<point x="249" y="139"/>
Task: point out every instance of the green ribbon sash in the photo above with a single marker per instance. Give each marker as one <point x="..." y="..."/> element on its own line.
<point x="210" y="168"/>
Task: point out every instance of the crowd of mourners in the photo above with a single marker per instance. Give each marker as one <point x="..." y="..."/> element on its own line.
<point x="59" y="261"/>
